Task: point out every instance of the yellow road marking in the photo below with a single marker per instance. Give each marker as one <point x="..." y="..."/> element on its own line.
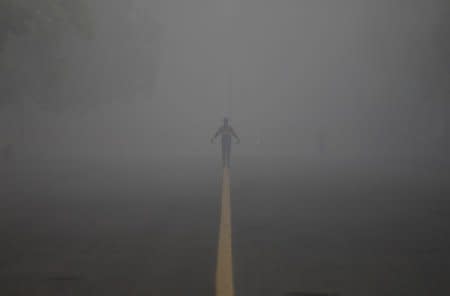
<point x="224" y="271"/>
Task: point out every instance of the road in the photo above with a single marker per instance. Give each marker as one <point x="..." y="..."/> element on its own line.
<point x="137" y="228"/>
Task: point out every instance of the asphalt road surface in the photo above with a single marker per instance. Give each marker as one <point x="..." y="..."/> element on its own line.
<point x="151" y="228"/>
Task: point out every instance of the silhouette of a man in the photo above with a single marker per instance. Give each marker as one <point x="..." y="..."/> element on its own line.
<point x="226" y="132"/>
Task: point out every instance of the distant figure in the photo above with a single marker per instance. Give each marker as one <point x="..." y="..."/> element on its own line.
<point x="226" y="132"/>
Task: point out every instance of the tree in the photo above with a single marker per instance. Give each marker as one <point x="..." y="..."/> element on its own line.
<point x="18" y="17"/>
<point x="39" y="24"/>
<point x="31" y="56"/>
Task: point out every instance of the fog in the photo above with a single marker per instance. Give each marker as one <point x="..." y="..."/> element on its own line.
<point x="340" y="181"/>
<point x="372" y="78"/>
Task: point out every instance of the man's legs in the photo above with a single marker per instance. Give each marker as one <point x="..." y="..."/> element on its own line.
<point x="224" y="157"/>
<point x="226" y="148"/>
<point x="229" y="155"/>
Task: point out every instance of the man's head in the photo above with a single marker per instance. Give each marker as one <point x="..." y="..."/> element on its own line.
<point x="225" y="121"/>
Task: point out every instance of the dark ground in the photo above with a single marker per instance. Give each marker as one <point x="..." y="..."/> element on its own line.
<point x="98" y="228"/>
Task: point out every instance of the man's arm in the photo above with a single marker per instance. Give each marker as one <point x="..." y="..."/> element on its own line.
<point x="216" y="135"/>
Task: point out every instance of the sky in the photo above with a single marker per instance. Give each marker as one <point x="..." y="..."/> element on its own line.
<point x="159" y="76"/>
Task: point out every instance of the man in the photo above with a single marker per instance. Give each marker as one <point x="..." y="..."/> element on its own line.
<point x="226" y="132"/>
